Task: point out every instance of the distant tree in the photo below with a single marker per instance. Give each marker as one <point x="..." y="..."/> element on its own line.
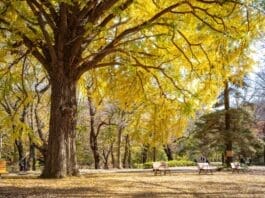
<point x="210" y="133"/>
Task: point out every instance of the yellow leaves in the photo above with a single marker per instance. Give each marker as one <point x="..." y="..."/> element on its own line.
<point x="82" y="86"/>
<point x="175" y="64"/>
<point x="2" y="56"/>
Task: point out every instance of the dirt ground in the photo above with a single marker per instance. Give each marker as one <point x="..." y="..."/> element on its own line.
<point x="145" y="184"/>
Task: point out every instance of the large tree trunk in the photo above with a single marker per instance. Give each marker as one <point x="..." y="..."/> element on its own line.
<point x="61" y="155"/>
<point x="229" y="151"/>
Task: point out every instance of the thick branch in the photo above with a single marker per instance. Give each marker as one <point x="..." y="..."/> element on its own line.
<point x="107" y="49"/>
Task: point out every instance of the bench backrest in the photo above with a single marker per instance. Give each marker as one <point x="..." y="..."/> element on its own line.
<point x="157" y="165"/>
<point x="234" y="164"/>
<point x="203" y="165"/>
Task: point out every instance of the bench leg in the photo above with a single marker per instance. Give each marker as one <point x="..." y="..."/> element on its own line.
<point x="167" y="171"/>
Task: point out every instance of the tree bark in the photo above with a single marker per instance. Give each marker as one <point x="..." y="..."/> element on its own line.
<point x="32" y="157"/>
<point x="119" y="163"/>
<point x="168" y="152"/>
<point x="20" y="150"/>
<point x="130" y="157"/>
<point x="93" y="134"/>
<point x="154" y="154"/>
<point x="94" y="148"/>
<point x="229" y="157"/>
<point x="126" y="156"/>
<point x="61" y="155"/>
<point x="113" y="160"/>
<point x="264" y="150"/>
<point x="145" y="153"/>
<point x="264" y="145"/>
<point x="106" y="154"/>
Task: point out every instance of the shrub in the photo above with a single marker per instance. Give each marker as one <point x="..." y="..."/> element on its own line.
<point x="182" y="162"/>
<point x="148" y="165"/>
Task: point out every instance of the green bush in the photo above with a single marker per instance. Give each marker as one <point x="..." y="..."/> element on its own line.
<point x="182" y="162"/>
<point x="148" y="165"/>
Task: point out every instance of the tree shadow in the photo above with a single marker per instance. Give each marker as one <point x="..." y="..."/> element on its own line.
<point x="13" y="192"/>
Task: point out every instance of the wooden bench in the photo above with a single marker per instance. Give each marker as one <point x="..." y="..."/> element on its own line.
<point x="236" y="167"/>
<point x="159" y="167"/>
<point x="2" y="167"/>
<point x="205" y="167"/>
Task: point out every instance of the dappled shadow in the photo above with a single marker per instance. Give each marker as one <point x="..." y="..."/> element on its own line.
<point x="49" y="192"/>
<point x="11" y="192"/>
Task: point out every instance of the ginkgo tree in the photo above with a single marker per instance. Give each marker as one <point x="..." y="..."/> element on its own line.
<point x="171" y="40"/>
<point x="22" y="87"/>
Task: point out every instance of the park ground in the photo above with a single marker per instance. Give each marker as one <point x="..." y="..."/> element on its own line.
<point x="180" y="183"/>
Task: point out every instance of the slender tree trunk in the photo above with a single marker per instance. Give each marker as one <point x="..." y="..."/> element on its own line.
<point x="145" y="153"/>
<point x="1" y="145"/>
<point x="43" y="148"/>
<point x="113" y="160"/>
<point x="229" y="151"/>
<point x="126" y="152"/>
<point x="61" y="158"/>
<point x="264" y="145"/>
<point x="154" y="154"/>
<point x="119" y="163"/>
<point x="93" y="135"/>
<point x="168" y="152"/>
<point x="94" y="148"/>
<point x="32" y="157"/>
<point x="106" y="158"/>
<point x="130" y="157"/>
<point x="21" y="154"/>
<point x="264" y="151"/>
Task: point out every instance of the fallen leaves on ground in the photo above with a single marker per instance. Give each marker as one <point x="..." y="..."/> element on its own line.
<point x="220" y="184"/>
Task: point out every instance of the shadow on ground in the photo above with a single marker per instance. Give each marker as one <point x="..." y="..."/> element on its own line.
<point x="13" y="192"/>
